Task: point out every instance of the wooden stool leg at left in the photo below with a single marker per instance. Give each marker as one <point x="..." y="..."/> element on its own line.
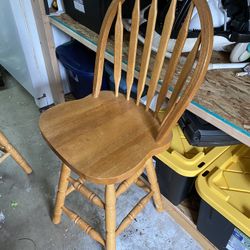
<point x="8" y="150"/>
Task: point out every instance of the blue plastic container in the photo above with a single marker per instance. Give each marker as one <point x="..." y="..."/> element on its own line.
<point x="109" y="69"/>
<point x="79" y="63"/>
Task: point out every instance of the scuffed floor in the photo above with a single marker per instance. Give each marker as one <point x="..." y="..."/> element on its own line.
<point x="26" y="202"/>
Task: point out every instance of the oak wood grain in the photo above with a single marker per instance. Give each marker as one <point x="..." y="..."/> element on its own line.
<point x="125" y="185"/>
<point x="118" y="49"/>
<point x="154" y="184"/>
<point x="133" y="47"/>
<point x="103" y="139"/>
<point x="175" y="96"/>
<point x="87" y="193"/>
<point x="110" y="217"/>
<point x="133" y="213"/>
<point x="198" y="73"/>
<point x="9" y="150"/>
<point x="102" y="41"/>
<point x="159" y="60"/>
<point x="170" y="71"/>
<point x="83" y="225"/>
<point x="147" y="49"/>
<point x="61" y="193"/>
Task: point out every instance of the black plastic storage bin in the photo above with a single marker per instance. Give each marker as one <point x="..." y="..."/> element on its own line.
<point x="214" y="226"/>
<point x="202" y="134"/>
<point x="173" y="186"/>
<point x="79" y="63"/>
<point x="90" y="13"/>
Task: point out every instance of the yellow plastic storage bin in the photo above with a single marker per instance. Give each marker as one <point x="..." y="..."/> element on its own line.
<point x="225" y="187"/>
<point x="178" y="167"/>
<point x="188" y="160"/>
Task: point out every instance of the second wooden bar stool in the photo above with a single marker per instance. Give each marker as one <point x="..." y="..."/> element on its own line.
<point x="108" y="138"/>
<point x="8" y="150"/>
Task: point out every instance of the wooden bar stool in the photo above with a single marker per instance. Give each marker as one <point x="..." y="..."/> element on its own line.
<point x="108" y="138"/>
<point x="8" y="150"/>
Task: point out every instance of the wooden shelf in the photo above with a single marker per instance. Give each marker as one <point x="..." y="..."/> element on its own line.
<point x="222" y="100"/>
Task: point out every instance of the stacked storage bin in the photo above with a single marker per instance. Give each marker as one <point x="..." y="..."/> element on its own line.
<point x="178" y="167"/>
<point x="224" y="187"/>
<point x="222" y="177"/>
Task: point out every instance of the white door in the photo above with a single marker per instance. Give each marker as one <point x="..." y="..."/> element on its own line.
<point x="11" y="52"/>
<point x="20" y="49"/>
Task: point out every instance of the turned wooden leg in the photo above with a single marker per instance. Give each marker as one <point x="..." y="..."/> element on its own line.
<point x="15" y="154"/>
<point x="110" y="211"/>
<point x="154" y="185"/>
<point x="61" y="193"/>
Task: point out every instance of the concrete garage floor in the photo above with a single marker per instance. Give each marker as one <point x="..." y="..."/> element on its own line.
<point x="26" y="202"/>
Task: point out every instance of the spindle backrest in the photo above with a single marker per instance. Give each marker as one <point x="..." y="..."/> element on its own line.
<point x="192" y="71"/>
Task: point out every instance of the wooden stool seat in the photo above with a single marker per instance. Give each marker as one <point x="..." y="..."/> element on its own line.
<point x="104" y="139"/>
